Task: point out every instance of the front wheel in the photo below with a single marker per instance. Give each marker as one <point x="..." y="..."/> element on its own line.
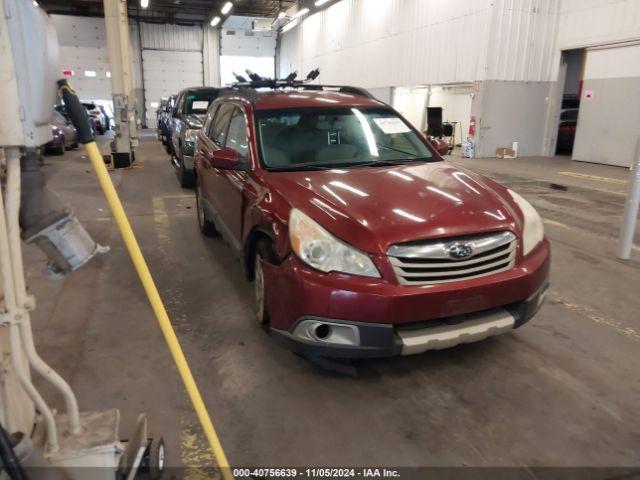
<point x="185" y="176"/>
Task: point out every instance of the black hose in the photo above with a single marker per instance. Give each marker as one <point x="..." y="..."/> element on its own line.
<point x="76" y="112"/>
<point x="9" y="460"/>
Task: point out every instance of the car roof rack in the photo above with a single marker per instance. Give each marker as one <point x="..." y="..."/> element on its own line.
<point x="247" y="89"/>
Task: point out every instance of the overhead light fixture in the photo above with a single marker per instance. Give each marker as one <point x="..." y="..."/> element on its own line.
<point x="319" y="3"/>
<point x="144" y="3"/>
<point x="300" y="13"/>
<point x="215" y="21"/>
<point x="281" y="15"/>
<point x="226" y="8"/>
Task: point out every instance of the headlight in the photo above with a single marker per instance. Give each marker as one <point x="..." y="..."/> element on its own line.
<point x="190" y="136"/>
<point x="319" y="249"/>
<point x="533" y="231"/>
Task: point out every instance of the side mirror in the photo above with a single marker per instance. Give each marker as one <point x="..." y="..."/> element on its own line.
<point x="226" y="159"/>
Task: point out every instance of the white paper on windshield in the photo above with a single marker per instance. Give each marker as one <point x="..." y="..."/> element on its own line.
<point x="391" y="125"/>
<point x="200" y="105"/>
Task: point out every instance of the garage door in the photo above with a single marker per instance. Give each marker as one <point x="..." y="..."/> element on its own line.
<point x="165" y="72"/>
<point x="609" y="107"/>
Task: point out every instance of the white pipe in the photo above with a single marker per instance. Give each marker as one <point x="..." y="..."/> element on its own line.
<point x="631" y="207"/>
<point x="13" y="229"/>
<point x="14" y="334"/>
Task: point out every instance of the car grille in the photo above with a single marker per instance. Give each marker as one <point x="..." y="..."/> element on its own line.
<point x="451" y="260"/>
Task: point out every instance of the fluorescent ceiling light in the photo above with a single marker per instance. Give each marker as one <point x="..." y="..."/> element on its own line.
<point x="108" y="74"/>
<point x="319" y="3"/>
<point x="302" y="12"/>
<point x="215" y="21"/>
<point x="144" y="3"/>
<point x="89" y="73"/>
<point x="226" y="8"/>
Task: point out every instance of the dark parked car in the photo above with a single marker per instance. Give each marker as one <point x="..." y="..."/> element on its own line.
<point x="161" y="106"/>
<point x="97" y="117"/>
<point x="188" y="115"/>
<point x="567" y="130"/>
<point x="165" y="123"/>
<point x="64" y="134"/>
<point x="360" y="240"/>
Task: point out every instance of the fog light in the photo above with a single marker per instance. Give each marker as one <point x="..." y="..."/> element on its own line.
<point x="323" y="332"/>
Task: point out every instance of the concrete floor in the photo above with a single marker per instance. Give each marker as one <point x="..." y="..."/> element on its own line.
<point x="563" y="391"/>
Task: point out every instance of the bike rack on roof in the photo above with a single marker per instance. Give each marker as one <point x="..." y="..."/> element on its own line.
<point x="247" y="89"/>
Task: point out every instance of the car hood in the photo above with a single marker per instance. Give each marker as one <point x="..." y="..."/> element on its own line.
<point x="375" y="207"/>
<point x="195" y="120"/>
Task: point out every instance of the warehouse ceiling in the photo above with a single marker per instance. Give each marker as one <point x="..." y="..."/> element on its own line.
<point x="181" y="12"/>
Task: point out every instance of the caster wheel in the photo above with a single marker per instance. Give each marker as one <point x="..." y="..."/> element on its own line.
<point x="155" y="458"/>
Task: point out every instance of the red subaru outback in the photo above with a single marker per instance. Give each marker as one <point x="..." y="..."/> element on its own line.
<point x="361" y="241"/>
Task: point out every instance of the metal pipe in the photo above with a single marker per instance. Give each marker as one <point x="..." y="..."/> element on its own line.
<point x="630" y="215"/>
<point x="14" y="333"/>
<point x="20" y="292"/>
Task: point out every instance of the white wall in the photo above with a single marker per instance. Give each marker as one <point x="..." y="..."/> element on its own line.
<point x="381" y="43"/>
<point x="83" y="46"/>
<point x="411" y="102"/>
<point x="584" y="23"/>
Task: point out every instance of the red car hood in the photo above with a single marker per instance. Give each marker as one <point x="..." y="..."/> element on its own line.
<point x="375" y="207"/>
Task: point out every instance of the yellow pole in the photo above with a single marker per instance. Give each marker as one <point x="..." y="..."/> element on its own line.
<point x="158" y="308"/>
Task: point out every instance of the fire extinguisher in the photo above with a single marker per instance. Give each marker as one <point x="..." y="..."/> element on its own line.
<point x="472" y="126"/>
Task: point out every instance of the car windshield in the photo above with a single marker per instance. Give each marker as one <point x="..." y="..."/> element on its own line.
<point x="307" y="139"/>
<point x="198" y="101"/>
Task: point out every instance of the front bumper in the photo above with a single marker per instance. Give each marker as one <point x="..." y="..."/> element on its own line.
<point x="188" y="161"/>
<point x="384" y="312"/>
<point x="385" y="340"/>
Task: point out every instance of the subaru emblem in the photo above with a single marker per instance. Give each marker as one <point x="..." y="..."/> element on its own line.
<point x="460" y="251"/>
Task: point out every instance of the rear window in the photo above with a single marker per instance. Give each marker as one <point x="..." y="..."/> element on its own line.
<point x="198" y="101"/>
<point x="336" y="137"/>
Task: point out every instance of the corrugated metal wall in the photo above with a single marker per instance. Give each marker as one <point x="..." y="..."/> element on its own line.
<point x="584" y="23"/>
<point x="377" y="43"/>
<point x="171" y="37"/>
<point x="522" y="40"/>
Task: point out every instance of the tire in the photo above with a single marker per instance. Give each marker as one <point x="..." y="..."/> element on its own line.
<point x="61" y="149"/>
<point x="185" y="176"/>
<point x="75" y="144"/>
<point x="156" y="458"/>
<point x="207" y="228"/>
<point x="264" y="252"/>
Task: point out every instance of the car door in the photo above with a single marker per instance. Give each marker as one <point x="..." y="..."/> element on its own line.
<point x="209" y="175"/>
<point x="176" y="121"/>
<point x="228" y="185"/>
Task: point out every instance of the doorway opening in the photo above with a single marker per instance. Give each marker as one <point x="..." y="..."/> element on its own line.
<point x="572" y="92"/>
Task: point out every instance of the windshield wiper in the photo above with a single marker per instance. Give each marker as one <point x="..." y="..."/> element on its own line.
<point x="386" y="163"/>
<point x="396" y="150"/>
<point x="301" y="166"/>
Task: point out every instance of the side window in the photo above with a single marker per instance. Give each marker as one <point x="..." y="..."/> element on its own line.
<point x="178" y="105"/>
<point x="237" y="135"/>
<point x="218" y="132"/>
<point x="210" y="116"/>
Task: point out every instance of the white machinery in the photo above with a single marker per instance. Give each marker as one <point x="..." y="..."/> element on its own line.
<point x="31" y="433"/>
